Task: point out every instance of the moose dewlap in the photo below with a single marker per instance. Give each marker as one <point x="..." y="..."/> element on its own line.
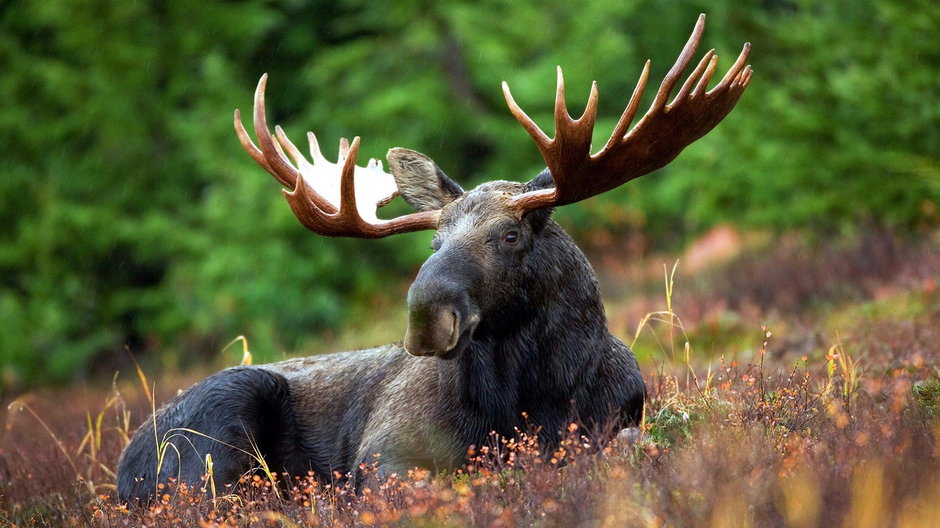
<point x="505" y="316"/>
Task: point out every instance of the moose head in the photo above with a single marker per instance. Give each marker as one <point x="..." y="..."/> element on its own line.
<point x="485" y="234"/>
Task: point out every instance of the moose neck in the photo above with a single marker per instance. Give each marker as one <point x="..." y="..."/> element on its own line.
<point x="529" y="356"/>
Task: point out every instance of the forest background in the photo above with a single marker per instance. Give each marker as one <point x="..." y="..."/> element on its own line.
<point x="133" y="224"/>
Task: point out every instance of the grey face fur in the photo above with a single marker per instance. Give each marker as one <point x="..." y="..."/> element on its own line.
<point x="504" y="318"/>
<point x="479" y="245"/>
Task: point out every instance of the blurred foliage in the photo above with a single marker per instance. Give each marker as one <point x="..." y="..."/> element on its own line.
<point x="131" y="218"/>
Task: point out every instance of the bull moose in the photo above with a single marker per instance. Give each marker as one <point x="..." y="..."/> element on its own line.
<point x="505" y="317"/>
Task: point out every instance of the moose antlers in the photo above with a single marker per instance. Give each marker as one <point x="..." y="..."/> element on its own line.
<point x="656" y="140"/>
<point x="341" y="199"/>
<point x="330" y="199"/>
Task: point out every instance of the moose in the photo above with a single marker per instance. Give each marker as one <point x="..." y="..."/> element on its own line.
<point x="505" y="329"/>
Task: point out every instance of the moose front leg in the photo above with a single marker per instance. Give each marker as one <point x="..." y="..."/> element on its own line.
<point x="402" y="444"/>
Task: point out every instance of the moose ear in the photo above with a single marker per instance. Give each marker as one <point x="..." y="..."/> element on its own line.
<point x="420" y="181"/>
<point x="542" y="181"/>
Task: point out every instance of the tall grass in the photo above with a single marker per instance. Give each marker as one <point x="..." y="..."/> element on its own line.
<point x="846" y="434"/>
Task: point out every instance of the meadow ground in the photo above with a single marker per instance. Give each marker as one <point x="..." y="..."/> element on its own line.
<point x="795" y="383"/>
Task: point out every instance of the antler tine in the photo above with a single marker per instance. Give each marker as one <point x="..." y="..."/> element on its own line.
<point x="735" y="68"/>
<point x="685" y="58"/>
<point x="747" y="78"/>
<point x="347" y="185"/>
<point x="289" y="146"/>
<point x="706" y="77"/>
<point x="623" y="125"/>
<point x="572" y="136"/>
<point x="281" y="169"/>
<point x="315" y="152"/>
<point x="249" y="145"/>
<point x="527" y="123"/>
<point x="561" y="107"/>
<point x="589" y="116"/>
<point x="694" y="78"/>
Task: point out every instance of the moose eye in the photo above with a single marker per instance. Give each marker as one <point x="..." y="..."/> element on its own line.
<point x="511" y="237"/>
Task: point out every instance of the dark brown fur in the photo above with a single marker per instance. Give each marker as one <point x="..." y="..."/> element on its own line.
<point x="497" y="328"/>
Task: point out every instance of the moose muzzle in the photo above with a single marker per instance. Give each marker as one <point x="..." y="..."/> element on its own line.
<point x="441" y="316"/>
<point x="431" y="333"/>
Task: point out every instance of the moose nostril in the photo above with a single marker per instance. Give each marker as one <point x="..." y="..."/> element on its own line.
<point x="454" y="331"/>
<point x="432" y="332"/>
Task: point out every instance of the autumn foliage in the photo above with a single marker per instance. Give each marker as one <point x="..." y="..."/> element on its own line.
<point x="791" y="424"/>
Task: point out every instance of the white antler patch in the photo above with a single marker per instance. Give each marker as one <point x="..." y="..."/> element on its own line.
<point x="374" y="187"/>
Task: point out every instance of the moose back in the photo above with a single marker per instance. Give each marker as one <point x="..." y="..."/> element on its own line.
<point x="505" y="317"/>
